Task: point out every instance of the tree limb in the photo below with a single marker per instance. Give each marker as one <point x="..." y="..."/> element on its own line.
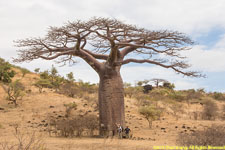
<point x="97" y="56"/>
<point x="175" y="66"/>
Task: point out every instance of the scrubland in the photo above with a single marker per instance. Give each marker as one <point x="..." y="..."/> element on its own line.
<point x="31" y="124"/>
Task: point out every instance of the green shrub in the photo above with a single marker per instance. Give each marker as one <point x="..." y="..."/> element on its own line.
<point x="168" y="85"/>
<point x="37" y="70"/>
<point x="44" y="75"/>
<point x="70" y="77"/>
<point x="43" y="83"/>
<point x="24" y="71"/>
<point x="6" y="73"/>
<point x="50" y="80"/>
<point x="177" y="95"/>
<point x="15" y="91"/>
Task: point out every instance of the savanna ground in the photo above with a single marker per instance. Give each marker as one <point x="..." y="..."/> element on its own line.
<point x="179" y="116"/>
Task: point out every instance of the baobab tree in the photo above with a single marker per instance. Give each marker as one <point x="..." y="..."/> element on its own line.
<point x="107" y="44"/>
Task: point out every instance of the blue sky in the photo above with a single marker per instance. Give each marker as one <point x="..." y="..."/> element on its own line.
<point x="202" y="20"/>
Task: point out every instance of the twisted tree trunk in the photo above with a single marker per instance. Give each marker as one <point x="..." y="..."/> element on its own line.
<point x="111" y="100"/>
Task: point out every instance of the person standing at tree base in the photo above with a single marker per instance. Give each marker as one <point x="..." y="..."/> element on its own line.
<point x="127" y="132"/>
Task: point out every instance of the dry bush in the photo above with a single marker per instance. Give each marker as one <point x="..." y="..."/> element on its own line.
<point x="177" y="109"/>
<point x="69" y="107"/>
<point x="70" y="127"/>
<point x="132" y="91"/>
<point x="178" y="96"/>
<point x="1" y="126"/>
<point x="91" y="123"/>
<point x="218" y="96"/>
<point x="69" y="89"/>
<point x="223" y="113"/>
<point x="24" y="141"/>
<point x="197" y="115"/>
<point x="192" y="94"/>
<point x="79" y="90"/>
<point x="161" y="93"/>
<point x="87" y="87"/>
<point x="210" y="110"/>
<point x="91" y="98"/>
<point x="142" y="99"/>
<point x="213" y="136"/>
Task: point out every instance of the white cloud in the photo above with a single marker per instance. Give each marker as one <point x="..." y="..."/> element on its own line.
<point x="208" y="60"/>
<point x="182" y="84"/>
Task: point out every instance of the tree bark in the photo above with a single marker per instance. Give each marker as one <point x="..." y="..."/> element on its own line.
<point x="111" y="100"/>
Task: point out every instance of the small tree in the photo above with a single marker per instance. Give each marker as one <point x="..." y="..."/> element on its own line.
<point x="6" y="74"/>
<point x="69" y="88"/>
<point x="210" y="110"/>
<point x="55" y="79"/>
<point x="70" y="77"/>
<point x="24" y="71"/>
<point x="69" y="108"/>
<point x="53" y="73"/>
<point x="37" y="70"/>
<point x="140" y="83"/>
<point x="43" y="83"/>
<point x="91" y="123"/>
<point x="168" y="85"/>
<point x="58" y="81"/>
<point x="150" y="113"/>
<point x="15" y="91"/>
<point x="49" y="79"/>
<point x="44" y="75"/>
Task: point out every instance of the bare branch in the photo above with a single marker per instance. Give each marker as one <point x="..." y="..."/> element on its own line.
<point x="109" y="40"/>
<point x="97" y="56"/>
<point x="176" y="66"/>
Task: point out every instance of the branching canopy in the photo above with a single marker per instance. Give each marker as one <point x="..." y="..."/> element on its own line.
<point x="109" y="40"/>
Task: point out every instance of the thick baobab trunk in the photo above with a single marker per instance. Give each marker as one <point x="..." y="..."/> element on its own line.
<point x="111" y="101"/>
